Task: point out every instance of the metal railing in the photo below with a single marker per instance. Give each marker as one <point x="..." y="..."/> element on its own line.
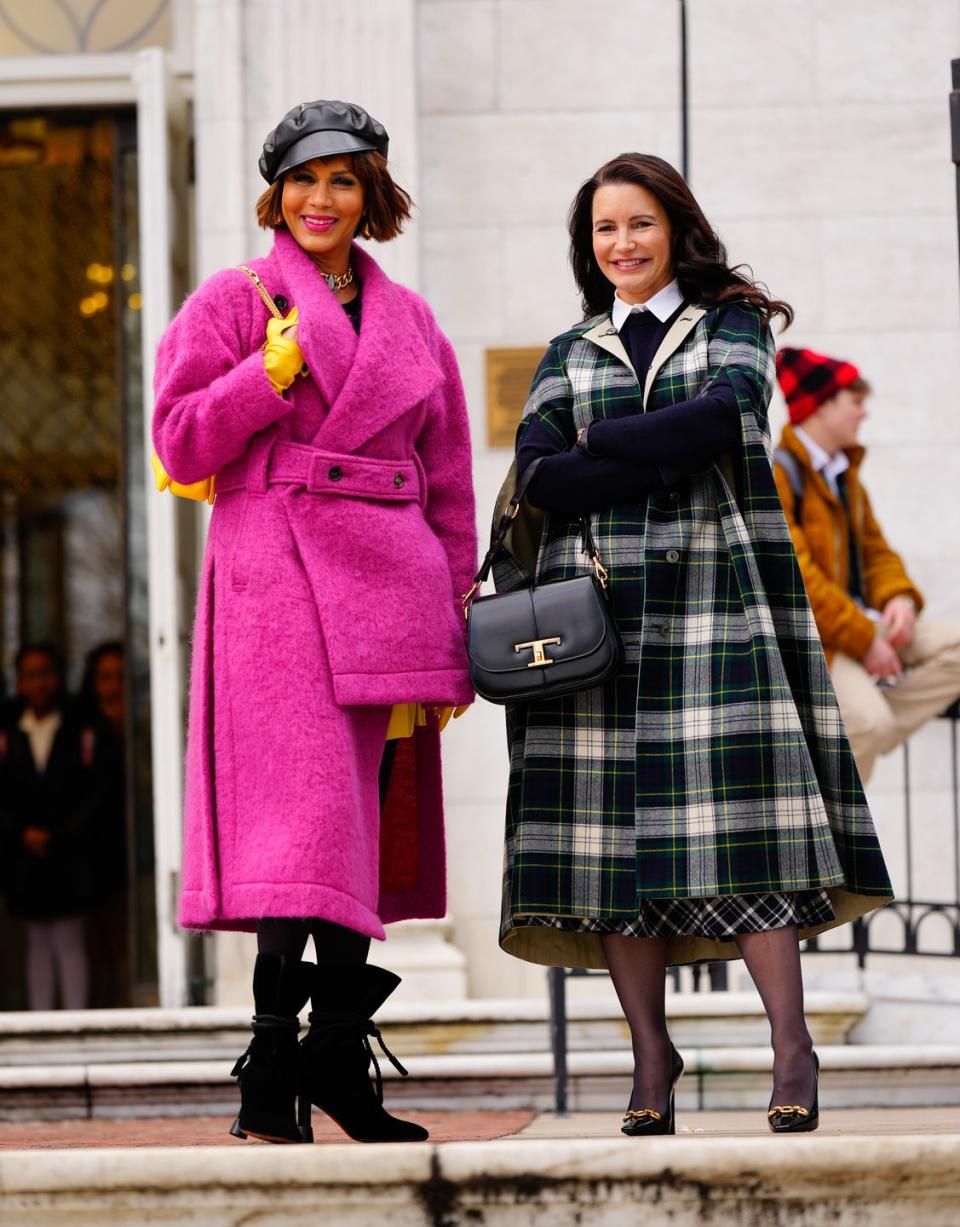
<point x="912" y="912"/>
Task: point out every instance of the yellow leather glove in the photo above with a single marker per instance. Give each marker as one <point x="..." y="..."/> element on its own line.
<point x="199" y="491"/>
<point x="282" y="356"/>
<point x="405" y="717"/>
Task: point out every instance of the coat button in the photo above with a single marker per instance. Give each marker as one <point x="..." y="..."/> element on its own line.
<point x="335" y="473"/>
<point x="398" y="480"/>
<point x="672" y="555"/>
<point x="674" y="496"/>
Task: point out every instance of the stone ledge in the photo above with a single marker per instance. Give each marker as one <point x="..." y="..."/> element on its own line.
<point x="875" y="1181"/>
<point x="714" y="1078"/>
<point x="424" y="1028"/>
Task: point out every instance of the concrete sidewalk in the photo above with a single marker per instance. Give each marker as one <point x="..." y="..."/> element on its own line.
<point x="881" y="1169"/>
<point x="468" y="1127"/>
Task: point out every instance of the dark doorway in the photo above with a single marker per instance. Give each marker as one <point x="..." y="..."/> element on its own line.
<point x="72" y="510"/>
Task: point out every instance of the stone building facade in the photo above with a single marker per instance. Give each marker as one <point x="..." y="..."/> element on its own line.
<point x="819" y="147"/>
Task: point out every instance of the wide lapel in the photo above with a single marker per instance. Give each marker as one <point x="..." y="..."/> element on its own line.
<point x="324" y="333"/>
<point x="392" y="369"/>
<point x="606" y="336"/>
<point x="677" y="333"/>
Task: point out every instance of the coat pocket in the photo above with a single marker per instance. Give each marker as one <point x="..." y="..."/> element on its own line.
<point x="231" y="527"/>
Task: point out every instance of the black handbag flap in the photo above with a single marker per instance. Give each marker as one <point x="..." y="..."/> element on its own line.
<point x="534" y="627"/>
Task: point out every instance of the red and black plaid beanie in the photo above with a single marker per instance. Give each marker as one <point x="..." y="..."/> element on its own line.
<point x="807" y="379"/>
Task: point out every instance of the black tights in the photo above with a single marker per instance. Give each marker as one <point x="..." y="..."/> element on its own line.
<point x="638" y="967"/>
<point x="334" y="944"/>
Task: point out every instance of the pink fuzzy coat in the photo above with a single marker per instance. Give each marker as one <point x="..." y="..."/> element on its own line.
<point x="342" y="535"/>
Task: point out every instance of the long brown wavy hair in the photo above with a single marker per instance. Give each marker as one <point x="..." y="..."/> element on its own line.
<point x="699" y="257"/>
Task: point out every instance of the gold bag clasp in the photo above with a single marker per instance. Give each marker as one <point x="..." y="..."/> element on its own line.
<point x="537" y="646"/>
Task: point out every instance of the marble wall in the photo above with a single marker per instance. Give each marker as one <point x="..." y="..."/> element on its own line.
<point x="819" y="147"/>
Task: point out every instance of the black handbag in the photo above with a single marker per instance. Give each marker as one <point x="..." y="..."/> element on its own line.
<point x="543" y="640"/>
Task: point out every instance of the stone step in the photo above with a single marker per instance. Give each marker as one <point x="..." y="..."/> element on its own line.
<point x="715" y="1078"/>
<point x="431" y="1028"/>
<point x="884" y="1181"/>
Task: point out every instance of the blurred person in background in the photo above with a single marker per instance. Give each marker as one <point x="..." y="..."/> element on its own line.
<point x="892" y="670"/>
<point x="47" y="815"/>
<point x="103" y="749"/>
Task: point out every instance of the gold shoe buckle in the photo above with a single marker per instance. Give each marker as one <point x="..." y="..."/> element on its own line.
<point x="785" y="1108"/>
<point x="642" y="1114"/>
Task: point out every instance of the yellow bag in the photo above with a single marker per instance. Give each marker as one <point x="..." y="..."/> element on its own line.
<point x="206" y="491"/>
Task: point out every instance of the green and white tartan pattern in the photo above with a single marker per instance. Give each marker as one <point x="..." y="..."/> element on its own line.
<point x="715" y="762"/>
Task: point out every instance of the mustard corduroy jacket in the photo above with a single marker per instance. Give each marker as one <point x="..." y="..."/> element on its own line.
<point x="822" y="542"/>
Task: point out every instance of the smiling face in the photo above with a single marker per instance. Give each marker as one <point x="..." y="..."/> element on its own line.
<point x="322" y="204"/>
<point x="631" y="240"/>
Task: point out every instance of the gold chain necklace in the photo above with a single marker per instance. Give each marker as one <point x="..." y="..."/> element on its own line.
<point x="338" y="283"/>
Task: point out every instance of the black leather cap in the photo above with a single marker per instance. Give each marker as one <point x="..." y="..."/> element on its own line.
<point x="319" y="129"/>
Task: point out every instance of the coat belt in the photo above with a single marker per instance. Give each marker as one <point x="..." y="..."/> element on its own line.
<point x="277" y="463"/>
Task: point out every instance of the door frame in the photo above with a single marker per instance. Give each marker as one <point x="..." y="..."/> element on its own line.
<point x="145" y="81"/>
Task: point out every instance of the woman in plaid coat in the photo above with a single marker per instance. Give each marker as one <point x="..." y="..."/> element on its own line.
<point x="703" y="803"/>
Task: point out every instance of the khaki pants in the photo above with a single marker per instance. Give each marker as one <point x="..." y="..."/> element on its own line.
<point x="878" y="719"/>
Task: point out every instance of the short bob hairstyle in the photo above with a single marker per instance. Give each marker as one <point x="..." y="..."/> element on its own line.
<point x="386" y="205"/>
<point x="699" y="257"/>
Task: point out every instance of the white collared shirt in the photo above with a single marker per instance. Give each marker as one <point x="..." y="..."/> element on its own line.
<point x="40" y="731"/>
<point x="829" y="467"/>
<point x="662" y="305"/>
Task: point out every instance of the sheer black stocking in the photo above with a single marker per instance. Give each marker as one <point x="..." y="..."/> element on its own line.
<point x="638" y="968"/>
<point x="773" y="961"/>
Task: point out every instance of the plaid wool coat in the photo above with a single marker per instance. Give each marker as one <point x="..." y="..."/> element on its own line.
<point x="715" y="762"/>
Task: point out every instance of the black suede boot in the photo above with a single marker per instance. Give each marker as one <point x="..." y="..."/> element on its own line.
<point x="269" y="1071"/>
<point x="337" y="1054"/>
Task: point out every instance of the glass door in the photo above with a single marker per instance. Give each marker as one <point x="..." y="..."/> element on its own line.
<point x="72" y="506"/>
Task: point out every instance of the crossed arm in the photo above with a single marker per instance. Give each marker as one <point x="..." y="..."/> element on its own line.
<point x="622" y="459"/>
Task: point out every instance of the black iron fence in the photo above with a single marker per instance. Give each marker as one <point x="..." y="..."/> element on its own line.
<point x="898" y="929"/>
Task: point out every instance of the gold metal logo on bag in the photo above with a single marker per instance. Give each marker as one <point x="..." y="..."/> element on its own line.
<point x="538" y="645"/>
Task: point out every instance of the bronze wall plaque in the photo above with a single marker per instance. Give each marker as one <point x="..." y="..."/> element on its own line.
<point x="509" y="375"/>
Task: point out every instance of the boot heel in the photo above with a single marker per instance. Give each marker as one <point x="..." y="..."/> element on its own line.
<point x="304" y="1114"/>
<point x="235" y="1129"/>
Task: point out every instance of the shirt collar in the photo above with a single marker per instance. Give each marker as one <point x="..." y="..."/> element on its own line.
<point x="830" y="466"/>
<point x="30" y="722"/>
<point x="662" y="305"/>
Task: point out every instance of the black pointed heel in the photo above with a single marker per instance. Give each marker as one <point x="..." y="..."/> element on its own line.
<point x="794" y="1118"/>
<point x="646" y="1122"/>
<point x="305" y="1118"/>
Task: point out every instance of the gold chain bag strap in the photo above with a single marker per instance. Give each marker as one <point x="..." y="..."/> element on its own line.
<point x="205" y="491"/>
<point x="263" y="292"/>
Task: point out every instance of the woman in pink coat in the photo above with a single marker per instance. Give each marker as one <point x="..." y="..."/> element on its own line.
<point x="342" y="535"/>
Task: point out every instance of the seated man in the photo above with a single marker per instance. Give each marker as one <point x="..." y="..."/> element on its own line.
<point x="892" y="671"/>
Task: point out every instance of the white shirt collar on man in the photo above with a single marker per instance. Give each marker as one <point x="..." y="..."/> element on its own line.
<point x="829" y="467"/>
<point x="41" y="732"/>
<point x="662" y="305"/>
